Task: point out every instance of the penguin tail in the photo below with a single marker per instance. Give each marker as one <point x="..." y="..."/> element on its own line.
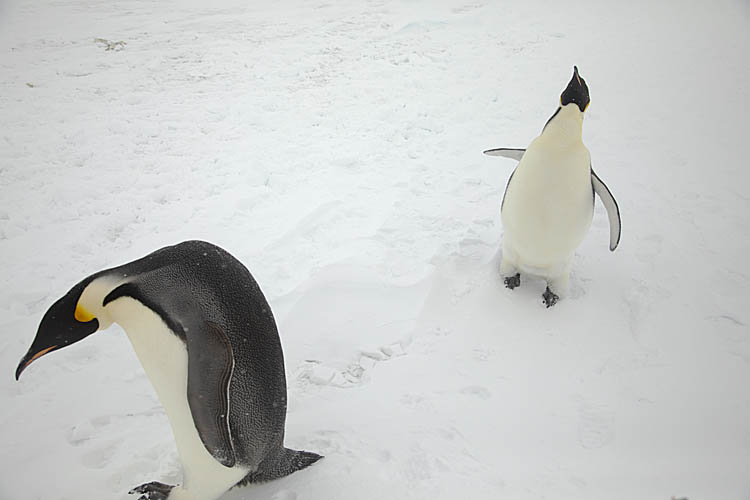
<point x="296" y="460"/>
<point x="285" y="463"/>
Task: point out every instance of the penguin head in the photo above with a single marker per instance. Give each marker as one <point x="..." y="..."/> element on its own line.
<point x="64" y="323"/>
<point x="577" y="92"/>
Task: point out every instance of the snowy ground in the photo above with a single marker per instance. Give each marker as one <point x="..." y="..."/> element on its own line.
<point x="336" y="151"/>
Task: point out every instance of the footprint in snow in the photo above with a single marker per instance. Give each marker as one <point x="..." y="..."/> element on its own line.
<point x="423" y="466"/>
<point x="595" y="425"/>
<point x="84" y="431"/>
<point x="317" y="373"/>
<point x="466" y="8"/>
<point x="482" y="353"/>
<point x="98" y="452"/>
<point x="477" y="391"/>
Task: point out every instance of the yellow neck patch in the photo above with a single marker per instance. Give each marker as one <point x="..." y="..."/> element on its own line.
<point x="82" y="314"/>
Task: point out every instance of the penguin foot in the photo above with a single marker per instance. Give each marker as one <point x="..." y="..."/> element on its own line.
<point x="550" y="298"/>
<point x="152" y="491"/>
<point x="512" y="281"/>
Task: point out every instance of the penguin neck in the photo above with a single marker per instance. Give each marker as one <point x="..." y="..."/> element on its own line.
<point x="92" y="298"/>
<point x="565" y="126"/>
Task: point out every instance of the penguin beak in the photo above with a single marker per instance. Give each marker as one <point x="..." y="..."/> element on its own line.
<point x="30" y="358"/>
<point x="576" y="92"/>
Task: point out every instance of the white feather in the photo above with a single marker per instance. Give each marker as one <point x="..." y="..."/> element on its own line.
<point x="548" y="205"/>
<point x="164" y="358"/>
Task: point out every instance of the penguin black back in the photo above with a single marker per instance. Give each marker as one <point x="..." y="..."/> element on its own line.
<point x="198" y="286"/>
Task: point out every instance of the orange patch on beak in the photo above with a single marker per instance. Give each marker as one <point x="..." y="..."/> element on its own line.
<point x="38" y="355"/>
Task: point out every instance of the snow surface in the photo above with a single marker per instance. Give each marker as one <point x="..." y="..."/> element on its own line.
<point x="335" y="148"/>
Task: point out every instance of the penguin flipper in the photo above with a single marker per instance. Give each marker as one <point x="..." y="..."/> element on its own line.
<point x="210" y="363"/>
<point x="613" y="211"/>
<point x="210" y="366"/>
<point x="512" y="153"/>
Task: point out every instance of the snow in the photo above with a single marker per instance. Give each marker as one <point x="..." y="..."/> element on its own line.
<point x="336" y="151"/>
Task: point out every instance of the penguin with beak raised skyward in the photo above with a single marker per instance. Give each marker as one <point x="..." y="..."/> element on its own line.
<point x="207" y="340"/>
<point x="548" y="204"/>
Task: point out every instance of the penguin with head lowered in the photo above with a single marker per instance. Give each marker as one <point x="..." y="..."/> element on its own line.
<point x="548" y="204"/>
<point x="208" y="342"/>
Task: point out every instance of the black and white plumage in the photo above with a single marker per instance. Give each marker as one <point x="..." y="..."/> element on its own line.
<point x="598" y="186"/>
<point x="206" y="337"/>
<point x="548" y="203"/>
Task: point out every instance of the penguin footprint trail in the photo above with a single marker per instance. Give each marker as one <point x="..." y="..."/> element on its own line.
<point x="596" y="425"/>
<point x="357" y="373"/>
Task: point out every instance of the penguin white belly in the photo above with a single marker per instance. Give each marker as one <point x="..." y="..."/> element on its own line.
<point x="165" y="360"/>
<point x="548" y="208"/>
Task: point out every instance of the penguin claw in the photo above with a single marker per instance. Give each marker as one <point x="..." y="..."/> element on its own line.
<point x="550" y="298"/>
<point x="152" y="491"/>
<point x="154" y="495"/>
<point x="512" y="281"/>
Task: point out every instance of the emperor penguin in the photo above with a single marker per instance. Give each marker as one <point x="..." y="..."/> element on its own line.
<point x="548" y="203"/>
<point x="208" y="342"/>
